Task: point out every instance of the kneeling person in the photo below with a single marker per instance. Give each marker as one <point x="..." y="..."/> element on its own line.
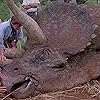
<point x="10" y="33"/>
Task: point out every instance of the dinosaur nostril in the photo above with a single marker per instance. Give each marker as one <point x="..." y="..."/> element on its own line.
<point x="15" y="69"/>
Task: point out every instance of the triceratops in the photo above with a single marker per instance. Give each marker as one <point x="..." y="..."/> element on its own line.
<point x="62" y="50"/>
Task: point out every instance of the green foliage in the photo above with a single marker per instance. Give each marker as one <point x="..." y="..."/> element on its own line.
<point x="43" y="3"/>
<point x="5" y="13"/>
<point x="94" y="1"/>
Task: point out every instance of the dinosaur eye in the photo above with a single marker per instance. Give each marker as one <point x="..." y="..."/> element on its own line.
<point x="40" y="56"/>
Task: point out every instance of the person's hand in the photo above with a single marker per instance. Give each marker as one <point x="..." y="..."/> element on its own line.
<point x="2" y="89"/>
<point x="26" y="7"/>
<point x="2" y="57"/>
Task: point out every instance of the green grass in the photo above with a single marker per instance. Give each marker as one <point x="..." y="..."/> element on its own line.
<point x="94" y="1"/>
<point x="4" y="12"/>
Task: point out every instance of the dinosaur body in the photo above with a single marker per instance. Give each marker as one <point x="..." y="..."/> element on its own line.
<point x="65" y="60"/>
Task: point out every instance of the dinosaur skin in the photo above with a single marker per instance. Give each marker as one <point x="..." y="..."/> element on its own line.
<point x="52" y="75"/>
<point x="56" y="65"/>
<point x="93" y="11"/>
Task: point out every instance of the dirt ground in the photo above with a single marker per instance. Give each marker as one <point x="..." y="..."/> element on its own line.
<point x="88" y="91"/>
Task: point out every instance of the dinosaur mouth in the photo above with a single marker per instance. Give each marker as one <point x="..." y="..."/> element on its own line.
<point x="23" y="85"/>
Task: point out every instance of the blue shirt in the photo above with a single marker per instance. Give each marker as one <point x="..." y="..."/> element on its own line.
<point x="5" y="32"/>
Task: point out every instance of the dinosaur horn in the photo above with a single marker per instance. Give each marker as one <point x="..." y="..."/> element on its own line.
<point x="34" y="32"/>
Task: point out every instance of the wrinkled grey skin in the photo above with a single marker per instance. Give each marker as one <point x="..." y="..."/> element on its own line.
<point x="47" y="69"/>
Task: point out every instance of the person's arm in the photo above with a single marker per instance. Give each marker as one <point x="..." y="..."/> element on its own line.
<point x="33" y="5"/>
<point x="26" y="7"/>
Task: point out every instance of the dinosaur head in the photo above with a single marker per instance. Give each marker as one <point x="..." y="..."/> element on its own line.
<point x="30" y="75"/>
<point x="44" y="67"/>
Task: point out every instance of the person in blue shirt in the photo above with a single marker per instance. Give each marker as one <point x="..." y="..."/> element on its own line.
<point x="10" y="33"/>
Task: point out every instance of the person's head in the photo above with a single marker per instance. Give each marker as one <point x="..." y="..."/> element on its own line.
<point x="15" y="23"/>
